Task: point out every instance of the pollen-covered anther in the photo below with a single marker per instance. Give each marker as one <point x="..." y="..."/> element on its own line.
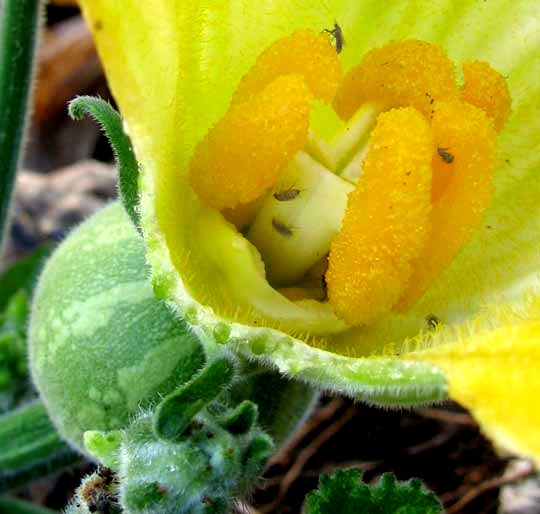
<point x="462" y="189"/>
<point x="307" y="53"/>
<point x="487" y="89"/>
<point x="401" y="73"/>
<point x="242" y="155"/>
<point x="387" y="221"/>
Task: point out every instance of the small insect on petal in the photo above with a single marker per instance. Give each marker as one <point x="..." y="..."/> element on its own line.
<point x="337" y="34"/>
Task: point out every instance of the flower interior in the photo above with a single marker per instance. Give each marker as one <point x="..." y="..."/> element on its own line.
<point x="344" y="197"/>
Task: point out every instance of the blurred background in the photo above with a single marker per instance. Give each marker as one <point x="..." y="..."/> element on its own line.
<point x="68" y="173"/>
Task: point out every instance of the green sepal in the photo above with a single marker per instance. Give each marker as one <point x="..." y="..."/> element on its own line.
<point x="105" y="446"/>
<point x="175" y="412"/>
<point x="283" y="403"/>
<point x="345" y="493"/>
<point x="199" y="474"/>
<point x="111" y="123"/>
<point x="242" y="419"/>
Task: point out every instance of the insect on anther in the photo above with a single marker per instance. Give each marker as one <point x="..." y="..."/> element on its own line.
<point x="446" y="156"/>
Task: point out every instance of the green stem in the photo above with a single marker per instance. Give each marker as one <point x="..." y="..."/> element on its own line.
<point x="18" y="36"/>
<point x="16" y="506"/>
<point x="30" y="446"/>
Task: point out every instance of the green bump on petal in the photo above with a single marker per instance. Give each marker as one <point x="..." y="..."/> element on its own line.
<point x="101" y="346"/>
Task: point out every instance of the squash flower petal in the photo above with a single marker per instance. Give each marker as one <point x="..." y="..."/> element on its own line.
<point x="173" y="68"/>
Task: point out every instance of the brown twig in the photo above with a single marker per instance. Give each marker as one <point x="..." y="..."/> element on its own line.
<point x="348" y="464"/>
<point x="305" y="455"/>
<point x="489" y="485"/>
<point x="439" y="440"/>
<point x="445" y="416"/>
<point x="243" y="508"/>
<point x="284" y="455"/>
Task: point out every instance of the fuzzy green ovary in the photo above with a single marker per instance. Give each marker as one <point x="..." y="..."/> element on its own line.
<point x="101" y="346"/>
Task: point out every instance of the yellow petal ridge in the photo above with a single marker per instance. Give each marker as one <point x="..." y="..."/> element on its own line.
<point x="305" y="53"/>
<point x="487" y="89"/>
<point x="386" y="223"/>
<point x="401" y="73"/>
<point x="242" y="155"/>
<point x="495" y="375"/>
<point x="462" y="188"/>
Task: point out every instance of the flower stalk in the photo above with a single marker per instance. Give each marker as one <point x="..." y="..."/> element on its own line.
<point x="19" y="28"/>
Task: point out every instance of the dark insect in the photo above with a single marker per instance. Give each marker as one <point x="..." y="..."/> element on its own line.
<point x="337" y="34"/>
<point x="287" y="194"/>
<point x="445" y="156"/>
<point x="433" y="321"/>
<point x="281" y="228"/>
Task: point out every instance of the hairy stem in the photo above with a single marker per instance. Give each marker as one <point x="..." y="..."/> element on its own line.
<point x="18" y="36"/>
<point x="30" y="447"/>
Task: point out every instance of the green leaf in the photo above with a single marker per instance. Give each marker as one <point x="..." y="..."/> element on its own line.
<point x="128" y="168"/>
<point x="345" y="493"/>
<point x="17" y="506"/>
<point x="18" y="36"/>
<point x="22" y="275"/>
<point x="175" y="412"/>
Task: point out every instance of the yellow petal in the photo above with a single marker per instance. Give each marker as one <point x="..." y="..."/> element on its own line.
<point x="495" y="375"/>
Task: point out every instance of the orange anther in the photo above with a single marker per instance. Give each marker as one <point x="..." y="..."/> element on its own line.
<point x="401" y="73"/>
<point x="386" y="224"/>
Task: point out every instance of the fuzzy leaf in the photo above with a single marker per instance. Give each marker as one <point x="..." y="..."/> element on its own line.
<point x="345" y="493"/>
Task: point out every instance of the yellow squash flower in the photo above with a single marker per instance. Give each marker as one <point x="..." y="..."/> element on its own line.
<point x="434" y="256"/>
